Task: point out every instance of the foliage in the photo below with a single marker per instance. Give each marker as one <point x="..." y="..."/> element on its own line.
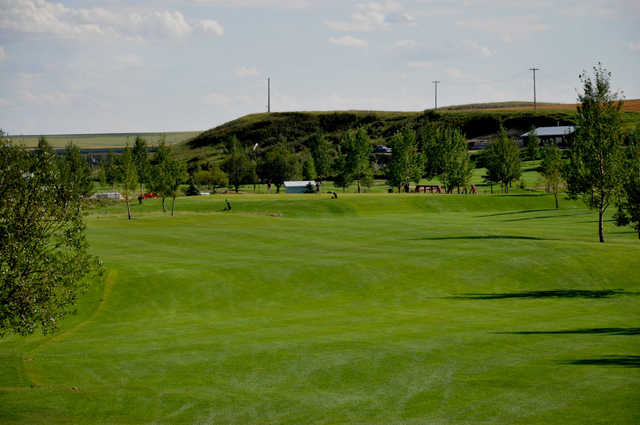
<point x="357" y="153"/>
<point x="128" y="177"/>
<point x="141" y="160"/>
<point x="502" y="160"/>
<point x="192" y="190"/>
<point x="629" y="200"/>
<point x="428" y="143"/>
<point x="456" y="163"/>
<point x="75" y="171"/>
<point x="406" y="164"/>
<point x="533" y="144"/>
<point x="596" y="168"/>
<point x="238" y="166"/>
<point x="320" y="150"/>
<point x="159" y="175"/>
<point x="111" y="170"/>
<point x="309" y="167"/>
<point x="343" y="177"/>
<point x="214" y="177"/>
<point x="44" y="259"/>
<point x="551" y="169"/>
<point x="280" y="165"/>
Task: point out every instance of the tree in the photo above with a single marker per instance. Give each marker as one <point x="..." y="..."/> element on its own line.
<point x="128" y="177"/>
<point x="176" y="172"/>
<point x="111" y="170"/>
<point x="75" y="171"/>
<point x="552" y="167"/>
<point x="213" y="177"/>
<point x="406" y="164"/>
<point x="320" y="150"/>
<point x="358" y="151"/>
<point x="457" y="166"/>
<point x="596" y="159"/>
<point x="428" y="139"/>
<point x="533" y="144"/>
<point x="629" y="200"/>
<point x="159" y="175"/>
<point x="192" y="190"/>
<point x="237" y="164"/>
<point x="44" y="259"/>
<point x="343" y="177"/>
<point x="141" y="160"/>
<point x="309" y="167"/>
<point x="279" y="165"/>
<point x="503" y="160"/>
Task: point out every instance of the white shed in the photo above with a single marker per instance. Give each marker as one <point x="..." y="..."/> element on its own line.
<point x="299" y="186"/>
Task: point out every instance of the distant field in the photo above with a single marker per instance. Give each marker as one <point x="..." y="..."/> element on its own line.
<point x="105" y="140"/>
<point x="631" y="105"/>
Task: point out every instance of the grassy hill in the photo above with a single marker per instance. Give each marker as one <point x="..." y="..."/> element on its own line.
<point x="368" y="309"/>
<point x="105" y="140"/>
<point x="475" y="120"/>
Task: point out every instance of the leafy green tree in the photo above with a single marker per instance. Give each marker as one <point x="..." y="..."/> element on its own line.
<point x="44" y="259"/>
<point x="358" y="152"/>
<point x="406" y="164"/>
<point x="214" y="177"/>
<point x="343" y="177"/>
<point x="502" y="160"/>
<point x="457" y="166"/>
<point x="176" y="173"/>
<point x="280" y="164"/>
<point x="629" y="200"/>
<point x="159" y="175"/>
<point x="596" y="160"/>
<point x="428" y="139"/>
<point x="309" y="167"/>
<point x="141" y="159"/>
<point x="533" y="144"/>
<point x="112" y="170"/>
<point x="128" y="177"/>
<point x="552" y="166"/>
<point x="238" y="166"/>
<point x="320" y="150"/>
<point x="75" y="171"/>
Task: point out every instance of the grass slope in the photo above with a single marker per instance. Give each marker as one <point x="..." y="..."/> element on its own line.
<point x="368" y="309"/>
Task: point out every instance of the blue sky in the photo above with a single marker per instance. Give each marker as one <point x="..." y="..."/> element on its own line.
<point x="116" y="66"/>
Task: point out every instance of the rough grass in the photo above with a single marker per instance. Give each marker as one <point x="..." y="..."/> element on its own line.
<point x="101" y="141"/>
<point x="368" y="309"/>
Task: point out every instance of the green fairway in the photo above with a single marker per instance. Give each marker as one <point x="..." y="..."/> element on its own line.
<point x="367" y="309"/>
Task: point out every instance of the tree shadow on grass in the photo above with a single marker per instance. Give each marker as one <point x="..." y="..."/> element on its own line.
<point x="561" y="293"/>
<point x="478" y="237"/>
<point x="542" y="217"/>
<point x="587" y="331"/>
<point x="515" y="212"/>
<point x="624" y="361"/>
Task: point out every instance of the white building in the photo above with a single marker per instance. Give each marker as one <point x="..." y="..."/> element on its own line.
<point x="299" y="186"/>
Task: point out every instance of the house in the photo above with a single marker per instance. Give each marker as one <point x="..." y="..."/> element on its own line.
<point x="558" y="135"/>
<point x="299" y="186"/>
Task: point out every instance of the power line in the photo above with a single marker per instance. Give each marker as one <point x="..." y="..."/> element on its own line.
<point x="436" y="82"/>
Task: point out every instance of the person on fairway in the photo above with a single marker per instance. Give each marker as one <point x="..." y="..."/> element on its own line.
<point x="228" y="207"/>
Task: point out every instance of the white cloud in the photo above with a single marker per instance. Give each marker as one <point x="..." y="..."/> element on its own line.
<point x="632" y="46"/>
<point x="246" y="71"/>
<point x="478" y="48"/>
<point x="3" y="55"/>
<point x="210" y="25"/>
<point x="54" y="19"/>
<point x="508" y="28"/>
<point x="349" y="41"/>
<point x="420" y="64"/>
<point x="373" y="16"/>
<point x="265" y="4"/>
<point x="405" y="44"/>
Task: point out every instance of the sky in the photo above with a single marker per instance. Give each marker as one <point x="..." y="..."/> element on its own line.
<point x="97" y="66"/>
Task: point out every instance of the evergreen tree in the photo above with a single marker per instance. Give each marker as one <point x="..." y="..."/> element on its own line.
<point x="629" y="200"/>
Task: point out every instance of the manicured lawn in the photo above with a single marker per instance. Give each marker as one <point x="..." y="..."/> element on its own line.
<point x="368" y="309"/>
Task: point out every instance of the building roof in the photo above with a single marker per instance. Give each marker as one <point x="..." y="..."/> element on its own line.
<point x="561" y="130"/>
<point x="299" y="183"/>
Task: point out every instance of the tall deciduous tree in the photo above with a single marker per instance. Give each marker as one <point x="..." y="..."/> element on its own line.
<point x="502" y="160"/>
<point x="358" y="152"/>
<point x="238" y="166"/>
<point x="552" y="166"/>
<point x="629" y="201"/>
<point x="406" y="164"/>
<point x="309" y="167"/>
<point x="128" y="177"/>
<point x="596" y="167"/>
<point x="159" y="175"/>
<point x="214" y="177"/>
<point x="457" y="166"/>
<point x="279" y="165"/>
<point x="533" y="144"/>
<point x="44" y="259"/>
<point x="141" y="160"/>
<point x="320" y="150"/>
<point x="75" y="171"/>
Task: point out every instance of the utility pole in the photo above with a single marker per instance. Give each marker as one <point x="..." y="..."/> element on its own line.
<point x="269" y="95"/>
<point x="436" y="82"/>
<point x="534" y="87"/>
